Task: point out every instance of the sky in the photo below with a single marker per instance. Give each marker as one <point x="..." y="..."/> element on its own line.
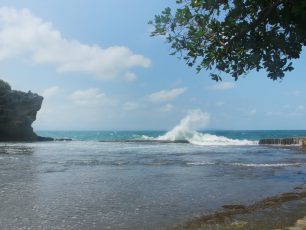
<point x="98" y="69"/>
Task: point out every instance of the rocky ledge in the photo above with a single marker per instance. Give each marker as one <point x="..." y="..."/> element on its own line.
<point x="17" y="113"/>
<point x="298" y="141"/>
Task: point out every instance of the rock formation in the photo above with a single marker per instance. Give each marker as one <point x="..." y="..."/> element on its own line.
<point x="17" y="113"/>
<point x="299" y="141"/>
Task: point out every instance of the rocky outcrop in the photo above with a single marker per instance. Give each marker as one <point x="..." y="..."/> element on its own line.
<point x="300" y="141"/>
<point x="17" y="113"/>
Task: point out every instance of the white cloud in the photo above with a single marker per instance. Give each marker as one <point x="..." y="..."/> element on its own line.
<point x="252" y="112"/>
<point x="166" y="95"/>
<point x="300" y="108"/>
<point x="273" y="113"/>
<point x="296" y="93"/>
<point x="166" y="108"/>
<point x="220" y="103"/>
<point x="90" y="97"/>
<point x="293" y="93"/>
<point x="288" y="111"/>
<point x="129" y="76"/>
<point x="130" y="106"/>
<point x="51" y="91"/>
<point x="224" y="86"/>
<point x="22" y="33"/>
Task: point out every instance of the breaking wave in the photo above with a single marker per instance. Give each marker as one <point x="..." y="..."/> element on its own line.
<point x="186" y="131"/>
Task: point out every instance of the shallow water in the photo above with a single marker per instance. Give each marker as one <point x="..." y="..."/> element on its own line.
<point x="131" y="185"/>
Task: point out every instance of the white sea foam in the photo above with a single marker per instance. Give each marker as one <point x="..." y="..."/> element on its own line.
<point x="203" y="163"/>
<point x="145" y="137"/>
<point x="199" y="163"/>
<point x="266" y="165"/>
<point x="186" y="131"/>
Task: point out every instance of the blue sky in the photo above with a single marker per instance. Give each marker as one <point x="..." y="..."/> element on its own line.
<point x="99" y="69"/>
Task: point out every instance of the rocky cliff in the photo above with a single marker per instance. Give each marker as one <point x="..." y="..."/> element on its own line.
<point x="17" y="113"/>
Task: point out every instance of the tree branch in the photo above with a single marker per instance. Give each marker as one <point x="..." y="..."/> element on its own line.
<point x="263" y="15"/>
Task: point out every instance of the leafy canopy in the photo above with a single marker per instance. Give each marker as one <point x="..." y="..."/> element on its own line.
<point x="235" y="36"/>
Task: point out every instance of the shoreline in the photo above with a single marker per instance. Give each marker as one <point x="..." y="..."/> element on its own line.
<point x="263" y="214"/>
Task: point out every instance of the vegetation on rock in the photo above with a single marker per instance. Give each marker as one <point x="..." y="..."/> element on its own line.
<point x="4" y="86"/>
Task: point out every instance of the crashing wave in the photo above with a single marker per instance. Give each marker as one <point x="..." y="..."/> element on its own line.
<point x="198" y="138"/>
<point x="186" y="131"/>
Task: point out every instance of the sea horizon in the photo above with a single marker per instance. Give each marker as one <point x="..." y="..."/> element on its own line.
<point x="252" y="135"/>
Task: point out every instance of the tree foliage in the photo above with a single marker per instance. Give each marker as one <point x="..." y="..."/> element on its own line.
<point x="235" y="36"/>
<point x="4" y="86"/>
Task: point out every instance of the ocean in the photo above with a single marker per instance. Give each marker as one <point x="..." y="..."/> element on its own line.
<point x="142" y="179"/>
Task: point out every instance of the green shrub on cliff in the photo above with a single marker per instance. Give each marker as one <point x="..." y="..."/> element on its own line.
<point x="4" y="86"/>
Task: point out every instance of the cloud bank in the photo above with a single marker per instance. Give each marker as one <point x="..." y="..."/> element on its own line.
<point x="22" y="33"/>
<point x="51" y="91"/>
<point x="91" y="97"/>
<point x="166" y="95"/>
<point x="224" y="86"/>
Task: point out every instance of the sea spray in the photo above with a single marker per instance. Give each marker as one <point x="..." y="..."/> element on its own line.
<point x="186" y="128"/>
<point x="195" y="120"/>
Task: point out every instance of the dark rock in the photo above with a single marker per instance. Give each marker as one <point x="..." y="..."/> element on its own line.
<point x="283" y="141"/>
<point x="234" y="206"/>
<point x="63" y="139"/>
<point x="39" y="138"/>
<point x="298" y="187"/>
<point x="17" y="113"/>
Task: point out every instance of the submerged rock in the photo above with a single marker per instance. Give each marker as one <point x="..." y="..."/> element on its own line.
<point x="17" y="113"/>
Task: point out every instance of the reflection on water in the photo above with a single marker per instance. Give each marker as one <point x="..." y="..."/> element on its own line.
<point x="93" y="185"/>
